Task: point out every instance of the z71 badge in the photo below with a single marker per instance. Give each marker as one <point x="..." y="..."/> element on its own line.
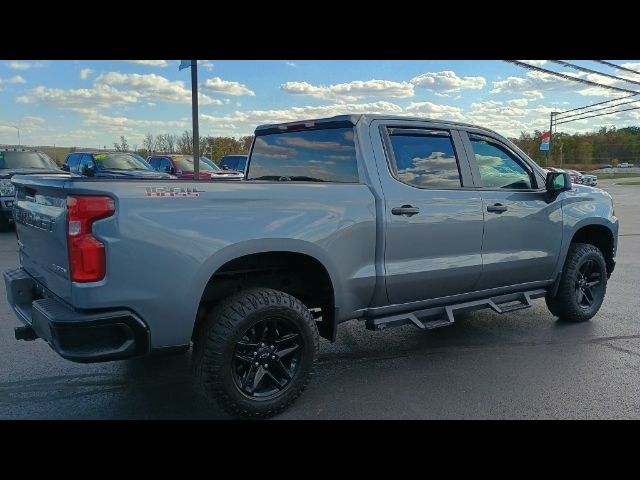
<point x="172" y="191"/>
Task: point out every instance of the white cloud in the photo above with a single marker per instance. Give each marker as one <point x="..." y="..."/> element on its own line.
<point x="150" y="63"/>
<point x="351" y="91"/>
<point x="434" y="110"/>
<point x="14" y="79"/>
<point x="18" y="65"/>
<point x="518" y="102"/>
<point x="80" y="99"/>
<point x="84" y="73"/>
<point x="225" y="87"/>
<point x="206" y="64"/>
<point x="245" y="122"/>
<point x="447" y="81"/>
<point x="153" y="87"/>
<point x="537" y="63"/>
<point x="290" y="64"/>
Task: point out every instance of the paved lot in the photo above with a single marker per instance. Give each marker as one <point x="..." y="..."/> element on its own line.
<point x="517" y="366"/>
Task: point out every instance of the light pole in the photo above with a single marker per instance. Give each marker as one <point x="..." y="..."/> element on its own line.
<point x="17" y="128"/>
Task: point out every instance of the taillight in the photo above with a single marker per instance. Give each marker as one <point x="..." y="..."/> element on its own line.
<point x="87" y="259"/>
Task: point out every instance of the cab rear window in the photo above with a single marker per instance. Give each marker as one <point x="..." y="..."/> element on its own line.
<point x="325" y="155"/>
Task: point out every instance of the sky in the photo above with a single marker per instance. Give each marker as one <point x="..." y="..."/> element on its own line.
<point x="92" y="103"/>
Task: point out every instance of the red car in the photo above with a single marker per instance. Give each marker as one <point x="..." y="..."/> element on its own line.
<point x="182" y="167"/>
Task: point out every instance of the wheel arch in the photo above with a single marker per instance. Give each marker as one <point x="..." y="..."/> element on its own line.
<point x="305" y="256"/>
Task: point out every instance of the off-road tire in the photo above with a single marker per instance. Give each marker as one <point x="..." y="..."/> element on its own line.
<point x="215" y="343"/>
<point x="565" y="305"/>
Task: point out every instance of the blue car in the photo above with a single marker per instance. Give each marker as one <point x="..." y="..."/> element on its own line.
<point x="111" y="165"/>
<point x="234" y="162"/>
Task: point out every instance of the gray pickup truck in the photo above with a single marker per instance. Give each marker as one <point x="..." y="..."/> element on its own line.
<point x="391" y="221"/>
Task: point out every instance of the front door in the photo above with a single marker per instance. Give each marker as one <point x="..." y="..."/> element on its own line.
<point x="522" y="227"/>
<point x="434" y="219"/>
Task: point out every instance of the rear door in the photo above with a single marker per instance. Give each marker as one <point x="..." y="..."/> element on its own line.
<point x="433" y="223"/>
<point x="522" y="227"/>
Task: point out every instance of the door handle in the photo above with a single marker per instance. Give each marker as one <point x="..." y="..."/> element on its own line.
<point x="407" y="210"/>
<point x="497" y="208"/>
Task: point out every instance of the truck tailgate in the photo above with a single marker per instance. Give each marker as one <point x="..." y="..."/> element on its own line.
<point x="40" y="218"/>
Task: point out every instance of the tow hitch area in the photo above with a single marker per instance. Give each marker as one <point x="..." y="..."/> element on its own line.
<point x="25" y="333"/>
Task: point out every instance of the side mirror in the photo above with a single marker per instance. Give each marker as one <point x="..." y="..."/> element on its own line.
<point x="65" y="167"/>
<point x="557" y="182"/>
<point x="170" y="170"/>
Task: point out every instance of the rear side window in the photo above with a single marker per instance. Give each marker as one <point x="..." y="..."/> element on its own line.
<point x="426" y="160"/>
<point x="73" y="161"/>
<point x="326" y="155"/>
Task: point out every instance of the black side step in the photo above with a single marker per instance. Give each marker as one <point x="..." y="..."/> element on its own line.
<point x="429" y="318"/>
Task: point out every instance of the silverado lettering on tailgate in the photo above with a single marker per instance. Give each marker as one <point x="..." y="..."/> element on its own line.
<point x="190" y="191"/>
<point x="31" y="219"/>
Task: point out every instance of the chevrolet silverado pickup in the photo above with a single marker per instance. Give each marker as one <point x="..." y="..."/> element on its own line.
<point x="390" y="221"/>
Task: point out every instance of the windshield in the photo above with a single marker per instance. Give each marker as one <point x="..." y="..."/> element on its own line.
<point x="186" y="164"/>
<point x="120" y="161"/>
<point x="11" y="159"/>
<point x="210" y="162"/>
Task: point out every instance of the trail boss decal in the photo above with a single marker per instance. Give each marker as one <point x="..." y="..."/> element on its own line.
<point x="172" y="191"/>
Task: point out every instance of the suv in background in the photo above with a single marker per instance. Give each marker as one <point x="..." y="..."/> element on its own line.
<point x="24" y="162"/>
<point x="111" y="165"/>
<point x="182" y="166"/>
<point x="234" y="162"/>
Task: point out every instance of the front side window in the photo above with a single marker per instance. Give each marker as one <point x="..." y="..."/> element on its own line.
<point x="425" y="160"/>
<point x="73" y="161"/>
<point x="155" y="163"/>
<point x="324" y="155"/>
<point x="498" y="168"/>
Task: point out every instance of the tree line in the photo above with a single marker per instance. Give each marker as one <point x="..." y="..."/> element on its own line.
<point x="212" y="147"/>
<point x="607" y="146"/>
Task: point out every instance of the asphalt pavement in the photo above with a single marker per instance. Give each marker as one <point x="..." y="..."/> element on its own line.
<point x="523" y="365"/>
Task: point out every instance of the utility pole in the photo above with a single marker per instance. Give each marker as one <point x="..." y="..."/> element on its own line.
<point x="196" y="133"/>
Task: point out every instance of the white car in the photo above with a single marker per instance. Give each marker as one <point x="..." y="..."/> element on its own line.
<point x="590" y="180"/>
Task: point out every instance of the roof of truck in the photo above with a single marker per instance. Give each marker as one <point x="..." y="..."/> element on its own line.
<point x="354" y="119"/>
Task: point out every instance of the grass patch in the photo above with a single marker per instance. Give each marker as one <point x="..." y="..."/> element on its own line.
<point x="608" y="176"/>
<point x="628" y="183"/>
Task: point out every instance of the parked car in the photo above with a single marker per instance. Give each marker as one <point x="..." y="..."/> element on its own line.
<point x="624" y="165"/>
<point x="182" y="166"/>
<point x="589" y="179"/>
<point x="223" y="172"/>
<point x="576" y="177"/>
<point x="423" y="220"/>
<point x="22" y="161"/>
<point x="234" y="162"/>
<point x="110" y="165"/>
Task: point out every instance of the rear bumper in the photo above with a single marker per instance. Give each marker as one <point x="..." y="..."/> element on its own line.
<point x="84" y="337"/>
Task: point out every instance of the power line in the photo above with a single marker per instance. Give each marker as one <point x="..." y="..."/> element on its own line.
<point x="595" y="104"/>
<point x="619" y="67"/>
<point x="569" y="77"/>
<point x="588" y="70"/>
<point x="598" y="109"/>
<point x="598" y="115"/>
